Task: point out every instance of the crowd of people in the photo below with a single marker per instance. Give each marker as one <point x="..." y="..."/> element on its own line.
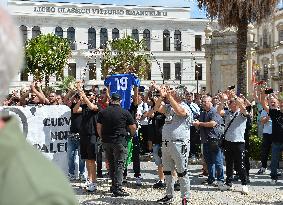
<point x="173" y="124"/>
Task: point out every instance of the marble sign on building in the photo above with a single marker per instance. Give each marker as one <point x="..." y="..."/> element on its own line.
<point x="173" y="38"/>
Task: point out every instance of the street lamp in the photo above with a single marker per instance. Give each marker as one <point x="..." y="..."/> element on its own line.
<point x="197" y="72"/>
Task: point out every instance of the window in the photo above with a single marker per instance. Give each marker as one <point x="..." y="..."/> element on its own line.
<point x="24" y="32"/>
<point x="178" y="71"/>
<point x="103" y="37"/>
<point x="35" y="31"/>
<point x="166" y="40"/>
<point x="177" y="40"/>
<point x="280" y="71"/>
<point x="91" y="38"/>
<point x="115" y="34"/>
<point x="146" y="37"/>
<point x="265" y="72"/>
<point x="281" y="36"/>
<point x="265" y="43"/>
<point x="72" y="70"/>
<point x="135" y="34"/>
<point x="59" y="31"/>
<point x="166" y="71"/>
<point x="71" y="36"/>
<point x="24" y="75"/>
<point x="198" y="42"/>
<point x="198" y="72"/>
<point x="92" y="71"/>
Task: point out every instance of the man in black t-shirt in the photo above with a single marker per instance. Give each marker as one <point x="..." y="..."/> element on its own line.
<point x="88" y="134"/>
<point x="112" y="125"/>
<point x="276" y="115"/>
<point x="73" y="144"/>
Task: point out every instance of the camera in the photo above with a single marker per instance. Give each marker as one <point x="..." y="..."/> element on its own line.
<point x="268" y="91"/>
<point x="231" y="87"/>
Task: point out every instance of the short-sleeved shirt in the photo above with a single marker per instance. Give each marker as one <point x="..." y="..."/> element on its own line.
<point x="236" y="131"/>
<point x="277" y="125"/>
<point x="177" y="127"/>
<point x="142" y="108"/>
<point x="115" y="121"/>
<point x="207" y="133"/>
<point x="267" y="127"/>
<point x="89" y="118"/>
<point x="122" y="84"/>
<point x="76" y="119"/>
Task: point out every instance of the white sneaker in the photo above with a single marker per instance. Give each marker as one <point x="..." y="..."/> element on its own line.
<point x="71" y="177"/>
<point x="245" y="189"/>
<point x="273" y="181"/>
<point x="226" y="187"/>
<point x="91" y="187"/>
<point x="82" y="178"/>
<point x="138" y="181"/>
<point x="219" y="184"/>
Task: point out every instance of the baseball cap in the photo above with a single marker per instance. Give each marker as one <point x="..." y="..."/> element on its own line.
<point x="115" y="96"/>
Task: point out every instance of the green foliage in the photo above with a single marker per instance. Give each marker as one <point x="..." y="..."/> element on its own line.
<point x="126" y="55"/>
<point x="46" y="55"/>
<point x="67" y="83"/>
<point x="255" y="147"/>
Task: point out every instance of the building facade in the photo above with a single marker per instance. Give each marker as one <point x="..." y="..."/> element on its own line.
<point x="269" y="51"/>
<point x="174" y="40"/>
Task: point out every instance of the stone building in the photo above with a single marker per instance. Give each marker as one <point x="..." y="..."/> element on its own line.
<point x="221" y="59"/>
<point x="173" y="38"/>
<point x="269" y="50"/>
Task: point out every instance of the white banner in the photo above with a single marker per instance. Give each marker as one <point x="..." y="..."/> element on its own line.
<point x="46" y="128"/>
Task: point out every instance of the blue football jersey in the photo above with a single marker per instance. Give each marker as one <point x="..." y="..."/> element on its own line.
<point x="122" y="84"/>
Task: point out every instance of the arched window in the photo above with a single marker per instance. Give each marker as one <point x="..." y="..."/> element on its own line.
<point x="59" y="31"/>
<point x="103" y="37"/>
<point x="166" y="40"/>
<point x="135" y="34"/>
<point x="146" y="37"/>
<point x="91" y="38"/>
<point x="177" y="40"/>
<point x="35" y="31"/>
<point x="115" y="34"/>
<point x="71" y="36"/>
<point x="24" y="32"/>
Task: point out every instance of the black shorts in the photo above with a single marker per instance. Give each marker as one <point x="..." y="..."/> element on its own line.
<point x="87" y="149"/>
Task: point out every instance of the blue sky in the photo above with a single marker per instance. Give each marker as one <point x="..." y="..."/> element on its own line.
<point x="196" y="13"/>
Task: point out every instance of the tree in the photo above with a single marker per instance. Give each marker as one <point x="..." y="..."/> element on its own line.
<point x="46" y="55"/>
<point x="239" y="13"/>
<point x="126" y="55"/>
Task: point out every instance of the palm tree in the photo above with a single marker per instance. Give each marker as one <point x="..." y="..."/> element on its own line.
<point x="239" y="13"/>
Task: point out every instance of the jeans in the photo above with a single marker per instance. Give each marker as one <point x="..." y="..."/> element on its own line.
<point x="116" y="155"/>
<point x="73" y="145"/>
<point x="235" y="155"/>
<point x="277" y="148"/>
<point x="135" y="157"/>
<point x="156" y="152"/>
<point x="214" y="158"/>
<point x="265" y="148"/>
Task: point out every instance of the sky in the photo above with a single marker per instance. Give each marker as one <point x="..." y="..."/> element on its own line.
<point x="195" y="12"/>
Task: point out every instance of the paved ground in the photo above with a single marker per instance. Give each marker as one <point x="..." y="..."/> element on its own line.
<point x="261" y="192"/>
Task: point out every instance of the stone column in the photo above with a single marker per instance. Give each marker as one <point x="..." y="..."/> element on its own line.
<point x="98" y="67"/>
<point x="97" y="35"/>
